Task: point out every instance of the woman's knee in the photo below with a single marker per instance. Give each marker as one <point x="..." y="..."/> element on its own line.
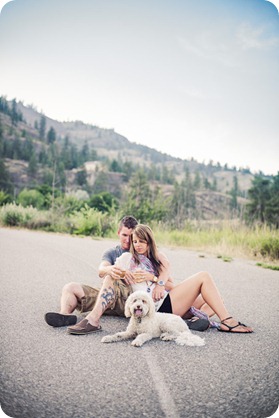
<point x="205" y="276"/>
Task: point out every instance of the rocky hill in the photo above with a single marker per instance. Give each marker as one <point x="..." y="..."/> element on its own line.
<point x="103" y="152"/>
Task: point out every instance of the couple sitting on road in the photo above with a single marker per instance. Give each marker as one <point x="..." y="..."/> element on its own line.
<point x="195" y="299"/>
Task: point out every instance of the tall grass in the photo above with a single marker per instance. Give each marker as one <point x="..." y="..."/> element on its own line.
<point x="223" y="238"/>
<point x="229" y="238"/>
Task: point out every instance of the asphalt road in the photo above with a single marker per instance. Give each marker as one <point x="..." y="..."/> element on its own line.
<point x="46" y="372"/>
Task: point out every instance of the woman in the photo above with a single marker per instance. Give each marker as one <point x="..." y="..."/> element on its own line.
<point x="147" y="264"/>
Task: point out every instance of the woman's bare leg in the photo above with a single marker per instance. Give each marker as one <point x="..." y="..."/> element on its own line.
<point x="203" y="306"/>
<point x="185" y="294"/>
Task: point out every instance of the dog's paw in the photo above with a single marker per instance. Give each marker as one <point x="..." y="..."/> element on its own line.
<point x="107" y="339"/>
<point x="136" y="343"/>
<point x="166" y="337"/>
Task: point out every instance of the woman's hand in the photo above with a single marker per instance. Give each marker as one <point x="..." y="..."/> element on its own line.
<point x="129" y="278"/>
<point x="142" y="276"/>
<point x="158" y="292"/>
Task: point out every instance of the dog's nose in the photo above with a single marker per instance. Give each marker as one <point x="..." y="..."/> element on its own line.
<point x="138" y="306"/>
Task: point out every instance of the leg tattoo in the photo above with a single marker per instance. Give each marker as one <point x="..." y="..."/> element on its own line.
<point x="107" y="296"/>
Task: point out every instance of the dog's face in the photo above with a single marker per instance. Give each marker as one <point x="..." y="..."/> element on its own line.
<point x="139" y="304"/>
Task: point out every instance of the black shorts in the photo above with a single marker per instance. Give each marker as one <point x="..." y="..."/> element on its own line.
<point x="166" y="305"/>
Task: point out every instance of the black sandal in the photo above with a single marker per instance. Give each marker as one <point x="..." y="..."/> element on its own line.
<point x="231" y="328"/>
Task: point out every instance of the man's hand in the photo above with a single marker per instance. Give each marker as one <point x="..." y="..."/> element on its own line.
<point x="117" y="273"/>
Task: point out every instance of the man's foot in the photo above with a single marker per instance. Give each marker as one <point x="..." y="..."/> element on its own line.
<point x="59" y="320"/>
<point x="231" y="325"/>
<point x="198" y="324"/>
<point x="84" y="327"/>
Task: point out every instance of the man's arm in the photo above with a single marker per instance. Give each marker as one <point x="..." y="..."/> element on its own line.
<point x="106" y="268"/>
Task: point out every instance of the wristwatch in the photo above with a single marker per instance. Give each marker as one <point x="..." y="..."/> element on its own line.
<point x="155" y="279"/>
<point x="161" y="283"/>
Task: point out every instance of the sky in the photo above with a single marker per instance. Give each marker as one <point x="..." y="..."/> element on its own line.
<point x="191" y="78"/>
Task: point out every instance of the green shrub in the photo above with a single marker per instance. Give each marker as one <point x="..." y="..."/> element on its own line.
<point x="270" y="248"/>
<point x="31" y="198"/>
<point x="16" y="215"/>
<point x="89" y="221"/>
<point x="4" y="198"/>
<point x="67" y="205"/>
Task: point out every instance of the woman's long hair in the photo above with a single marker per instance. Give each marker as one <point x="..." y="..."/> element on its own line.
<point x="144" y="233"/>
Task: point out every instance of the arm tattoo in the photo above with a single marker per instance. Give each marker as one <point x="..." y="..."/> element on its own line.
<point x="107" y="297"/>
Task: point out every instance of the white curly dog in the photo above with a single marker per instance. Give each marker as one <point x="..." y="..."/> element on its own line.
<point x="146" y="324"/>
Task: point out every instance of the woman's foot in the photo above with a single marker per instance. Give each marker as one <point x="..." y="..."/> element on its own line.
<point x="231" y="325"/>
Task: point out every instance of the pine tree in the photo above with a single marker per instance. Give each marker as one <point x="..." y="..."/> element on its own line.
<point x="272" y="205"/>
<point x="42" y="128"/>
<point x="5" y="181"/>
<point x="51" y="136"/>
<point x="234" y="193"/>
<point x="33" y="166"/>
<point x="259" y="194"/>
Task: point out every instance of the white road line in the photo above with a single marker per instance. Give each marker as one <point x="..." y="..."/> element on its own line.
<point x="161" y="387"/>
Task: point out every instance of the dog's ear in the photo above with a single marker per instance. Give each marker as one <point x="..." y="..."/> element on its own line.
<point x="127" y="311"/>
<point x="151" y="307"/>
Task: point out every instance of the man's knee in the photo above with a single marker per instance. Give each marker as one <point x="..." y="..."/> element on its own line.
<point x="73" y="288"/>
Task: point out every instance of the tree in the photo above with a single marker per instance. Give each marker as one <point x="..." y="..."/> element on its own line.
<point x="272" y="205"/>
<point x="42" y="128"/>
<point x="85" y="153"/>
<point x="65" y="154"/>
<point x="5" y="181"/>
<point x="32" y="166"/>
<point x="81" y="178"/>
<point x="14" y="115"/>
<point x="140" y="201"/>
<point x="51" y="136"/>
<point x="197" y="181"/>
<point x="103" y="202"/>
<point x="234" y="193"/>
<point x="259" y="194"/>
<point x="101" y="183"/>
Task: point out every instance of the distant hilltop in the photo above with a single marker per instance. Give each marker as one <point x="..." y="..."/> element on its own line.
<point x="90" y="158"/>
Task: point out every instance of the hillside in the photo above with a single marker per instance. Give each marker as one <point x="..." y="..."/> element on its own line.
<point x="91" y="158"/>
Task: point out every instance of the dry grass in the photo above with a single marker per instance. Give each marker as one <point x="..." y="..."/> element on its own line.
<point x="225" y="239"/>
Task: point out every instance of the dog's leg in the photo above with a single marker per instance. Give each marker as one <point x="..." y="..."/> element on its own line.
<point x="141" y="339"/>
<point x="119" y="336"/>
<point x="166" y="336"/>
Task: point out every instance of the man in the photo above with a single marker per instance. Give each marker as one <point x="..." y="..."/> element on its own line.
<point x="83" y="297"/>
<point x="110" y="299"/>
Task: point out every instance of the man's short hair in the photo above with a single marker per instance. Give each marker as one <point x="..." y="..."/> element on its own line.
<point x="129" y="222"/>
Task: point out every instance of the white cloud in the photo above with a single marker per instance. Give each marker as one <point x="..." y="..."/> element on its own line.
<point x="249" y="37"/>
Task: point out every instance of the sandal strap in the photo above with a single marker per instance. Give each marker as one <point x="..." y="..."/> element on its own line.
<point x="230" y="328"/>
<point x="222" y="322"/>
